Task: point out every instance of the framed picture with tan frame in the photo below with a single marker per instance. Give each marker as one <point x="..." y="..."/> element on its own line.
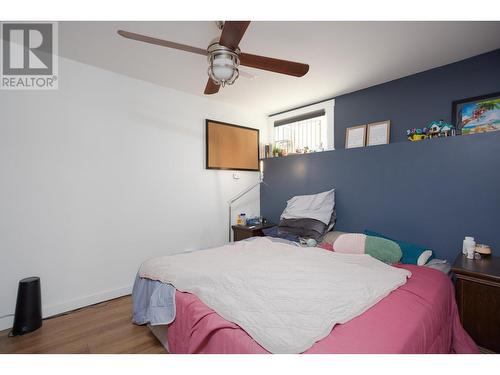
<point x="378" y="133"/>
<point x="355" y="136"/>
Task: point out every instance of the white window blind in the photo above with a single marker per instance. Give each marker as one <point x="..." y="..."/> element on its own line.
<point x="300" y="133"/>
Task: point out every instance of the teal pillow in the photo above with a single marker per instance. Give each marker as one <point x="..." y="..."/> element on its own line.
<point x="411" y="252"/>
<point x="383" y="249"/>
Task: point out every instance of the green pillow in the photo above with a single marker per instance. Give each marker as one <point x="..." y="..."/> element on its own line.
<point x="383" y="249"/>
<point x="411" y="252"/>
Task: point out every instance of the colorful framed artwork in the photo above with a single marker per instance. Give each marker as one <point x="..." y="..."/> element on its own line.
<point x="378" y="133"/>
<point x="479" y="114"/>
<point x="355" y="136"/>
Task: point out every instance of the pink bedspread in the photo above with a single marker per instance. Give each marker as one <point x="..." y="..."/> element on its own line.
<point x="419" y="317"/>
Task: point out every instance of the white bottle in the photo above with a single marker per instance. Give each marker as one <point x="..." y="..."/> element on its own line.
<point x="466" y="243"/>
<point x="471" y="247"/>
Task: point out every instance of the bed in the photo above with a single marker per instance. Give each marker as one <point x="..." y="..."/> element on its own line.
<point x="419" y="316"/>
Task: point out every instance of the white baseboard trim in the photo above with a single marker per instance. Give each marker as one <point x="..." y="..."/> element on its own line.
<point x="6" y="323"/>
<point x="48" y="311"/>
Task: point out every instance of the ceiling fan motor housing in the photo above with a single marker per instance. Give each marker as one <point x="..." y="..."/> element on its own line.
<point x="223" y="64"/>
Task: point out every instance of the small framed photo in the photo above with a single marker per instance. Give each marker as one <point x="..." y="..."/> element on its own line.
<point x="355" y="136"/>
<point x="479" y="114"/>
<point x="378" y="133"/>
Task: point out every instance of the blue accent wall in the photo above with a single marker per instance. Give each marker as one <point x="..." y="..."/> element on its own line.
<point x="432" y="192"/>
<point x="416" y="100"/>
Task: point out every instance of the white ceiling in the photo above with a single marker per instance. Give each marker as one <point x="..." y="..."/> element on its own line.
<point x="343" y="56"/>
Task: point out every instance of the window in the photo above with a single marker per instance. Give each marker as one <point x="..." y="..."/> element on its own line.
<point x="302" y="133"/>
<point x="303" y="130"/>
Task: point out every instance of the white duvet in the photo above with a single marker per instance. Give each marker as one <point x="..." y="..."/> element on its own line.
<point x="285" y="297"/>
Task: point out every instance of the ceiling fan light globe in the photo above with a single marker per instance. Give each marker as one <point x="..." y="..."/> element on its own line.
<point x="223" y="72"/>
<point x="224" y="76"/>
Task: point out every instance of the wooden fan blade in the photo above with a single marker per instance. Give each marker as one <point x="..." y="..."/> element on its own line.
<point x="211" y="87"/>
<point x="162" y="42"/>
<point x="232" y="32"/>
<point x="274" y="65"/>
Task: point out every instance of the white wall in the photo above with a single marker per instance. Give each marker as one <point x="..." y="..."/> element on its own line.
<point x="102" y="174"/>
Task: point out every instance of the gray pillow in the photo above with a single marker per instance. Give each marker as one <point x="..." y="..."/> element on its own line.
<point x="306" y="227"/>
<point x="309" y="228"/>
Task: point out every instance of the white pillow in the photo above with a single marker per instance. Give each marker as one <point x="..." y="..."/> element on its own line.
<point x="330" y="237"/>
<point x="315" y="206"/>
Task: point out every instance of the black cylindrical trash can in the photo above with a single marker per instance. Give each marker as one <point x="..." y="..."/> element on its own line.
<point x="28" y="315"/>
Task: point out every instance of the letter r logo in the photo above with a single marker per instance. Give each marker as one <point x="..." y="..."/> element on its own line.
<point x="27" y="49"/>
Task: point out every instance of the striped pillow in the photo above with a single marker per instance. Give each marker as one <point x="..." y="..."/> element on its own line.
<point x="357" y="243"/>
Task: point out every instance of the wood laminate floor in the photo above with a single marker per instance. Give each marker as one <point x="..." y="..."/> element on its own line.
<point x="103" y="328"/>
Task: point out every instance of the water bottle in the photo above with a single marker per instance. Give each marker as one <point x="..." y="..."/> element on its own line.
<point x="470" y="247"/>
<point x="467" y="241"/>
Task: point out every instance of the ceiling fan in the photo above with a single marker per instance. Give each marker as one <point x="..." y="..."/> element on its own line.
<point x="224" y="56"/>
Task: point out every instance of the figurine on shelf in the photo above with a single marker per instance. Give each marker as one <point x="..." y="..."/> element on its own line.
<point x="416" y="134"/>
<point x="440" y="129"/>
<point x="433" y="129"/>
<point x="447" y="130"/>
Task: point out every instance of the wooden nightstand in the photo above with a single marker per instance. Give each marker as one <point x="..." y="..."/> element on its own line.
<point x="240" y="232"/>
<point x="478" y="299"/>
